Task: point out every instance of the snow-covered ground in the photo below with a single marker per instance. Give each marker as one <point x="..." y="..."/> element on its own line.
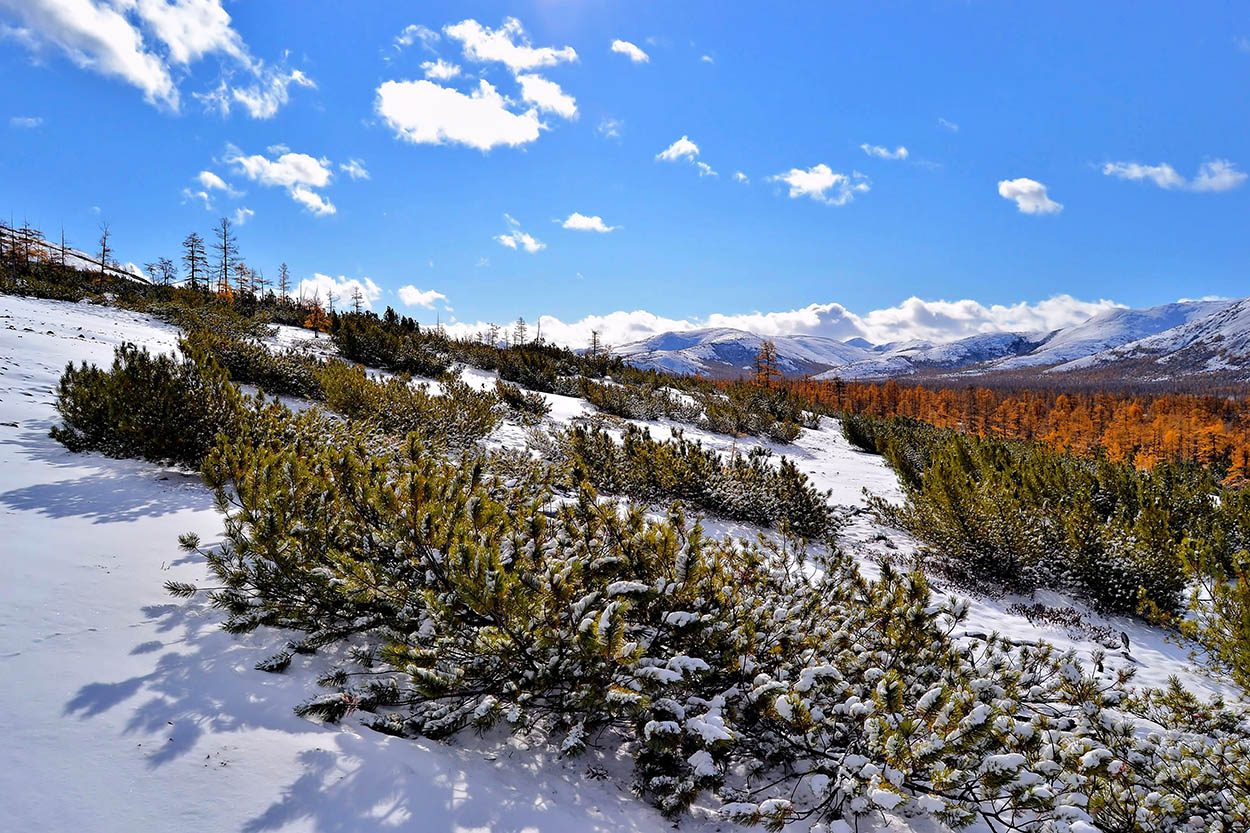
<point x="123" y="709"/>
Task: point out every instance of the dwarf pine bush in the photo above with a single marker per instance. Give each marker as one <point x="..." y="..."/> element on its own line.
<point x="528" y="405"/>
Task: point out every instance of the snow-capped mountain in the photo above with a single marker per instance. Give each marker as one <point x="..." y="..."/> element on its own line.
<point x="1111" y="329"/>
<point x="727" y="352"/>
<point x="923" y="356"/>
<point x="1155" y="343"/>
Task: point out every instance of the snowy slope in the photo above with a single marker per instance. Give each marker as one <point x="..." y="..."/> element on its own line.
<point x="127" y="710"/>
<point x="727" y="352"/>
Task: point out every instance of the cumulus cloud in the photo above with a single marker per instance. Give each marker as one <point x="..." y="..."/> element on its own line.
<point x="422" y="112"/>
<point x="914" y="318"/>
<point x="508" y="45"/>
<point x="413" y="297"/>
<point x="298" y="173"/>
<point x="823" y="184"/>
<point x="547" y="96"/>
<point x="580" y="222"/>
<point x="1216" y="175"/>
<point x="517" y="239"/>
<point x="145" y="43"/>
<point x="707" y="59"/>
<point x="322" y="288"/>
<point x="683" y="148"/>
<point x="26" y="122"/>
<point x="633" y="52"/>
<point x="440" y="70"/>
<point x="1029" y="195"/>
<point x="739" y="176"/>
<point x="880" y="152"/>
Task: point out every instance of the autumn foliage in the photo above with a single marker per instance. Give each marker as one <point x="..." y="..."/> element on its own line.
<point x="1142" y="429"/>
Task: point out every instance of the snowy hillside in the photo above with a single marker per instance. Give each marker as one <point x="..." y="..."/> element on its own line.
<point x="128" y="710"/>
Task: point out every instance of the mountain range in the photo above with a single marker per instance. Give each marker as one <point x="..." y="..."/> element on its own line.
<point x="1190" y="341"/>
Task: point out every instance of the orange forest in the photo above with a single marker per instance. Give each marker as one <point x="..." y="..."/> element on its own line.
<point x="1144" y="429"/>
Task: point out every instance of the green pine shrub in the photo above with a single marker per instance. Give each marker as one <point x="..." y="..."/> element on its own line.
<point x="528" y="405"/>
<point x="157" y="408"/>
<point x="287" y="373"/>
<point x="746" y="487"/>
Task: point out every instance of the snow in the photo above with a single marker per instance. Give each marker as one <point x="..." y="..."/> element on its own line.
<point x="133" y="711"/>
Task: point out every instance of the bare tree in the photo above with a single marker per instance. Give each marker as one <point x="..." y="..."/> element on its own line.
<point x="284" y="281"/>
<point x="62" y="245"/>
<point x="596" y="344"/>
<point x="105" y="251"/>
<point x="356" y="298"/>
<point x="194" y="259"/>
<point x="167" y="270"/>
<point x="226" y="246"/>
<point x="518" y="331"/>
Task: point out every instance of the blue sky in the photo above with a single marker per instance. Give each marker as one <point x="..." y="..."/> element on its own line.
<point x="1057" y="155"/>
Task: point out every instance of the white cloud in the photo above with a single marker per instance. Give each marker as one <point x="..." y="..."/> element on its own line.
<point x="190" y="29"/>
<point x="1163" y="175"/>
<point x="27" y="122"/>
<point x="507" y="45"/>
<point x="1219" y="175"/>
<point x="1242" y="43"/>
<point x="99" y="38"/>
<point x="707" y="59"/>
<point x="517" y="239"/>
<point x="263" y="98"/>
<point x="823" y="184"/>
<point x="1216" y="175"/>
<point x="413" y="297"/>
<point x="739" y="176"/>
<point x="949" y="125"/>
<point x="210" y="181"/>
<point x="1030" y="196"/>
<point x="626" y="48"/>
<point x="313" y="201"/>
<point x="580" y="222"/>
<point x="191" y="196"/>
<point x="242" y="215"/>
<point x="880" y="152"/>
<point x="147" y="42"/>
<point x="355" y="168"/>
<point x="440" y="70"/>
<point x="683" y="148"/>
<point x="705" y="169"/>
<point x="938" y="321"/>
<point x="547" y="96"/>
<point x="610" y="128"/>
<point x="425" y="113"/>
<point x="414" y="32"/>
<point x="298" y="173"/>
<point x="319" y="287"/>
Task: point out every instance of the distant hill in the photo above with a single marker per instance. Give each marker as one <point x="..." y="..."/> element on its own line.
<point x="1178" y="341"/>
